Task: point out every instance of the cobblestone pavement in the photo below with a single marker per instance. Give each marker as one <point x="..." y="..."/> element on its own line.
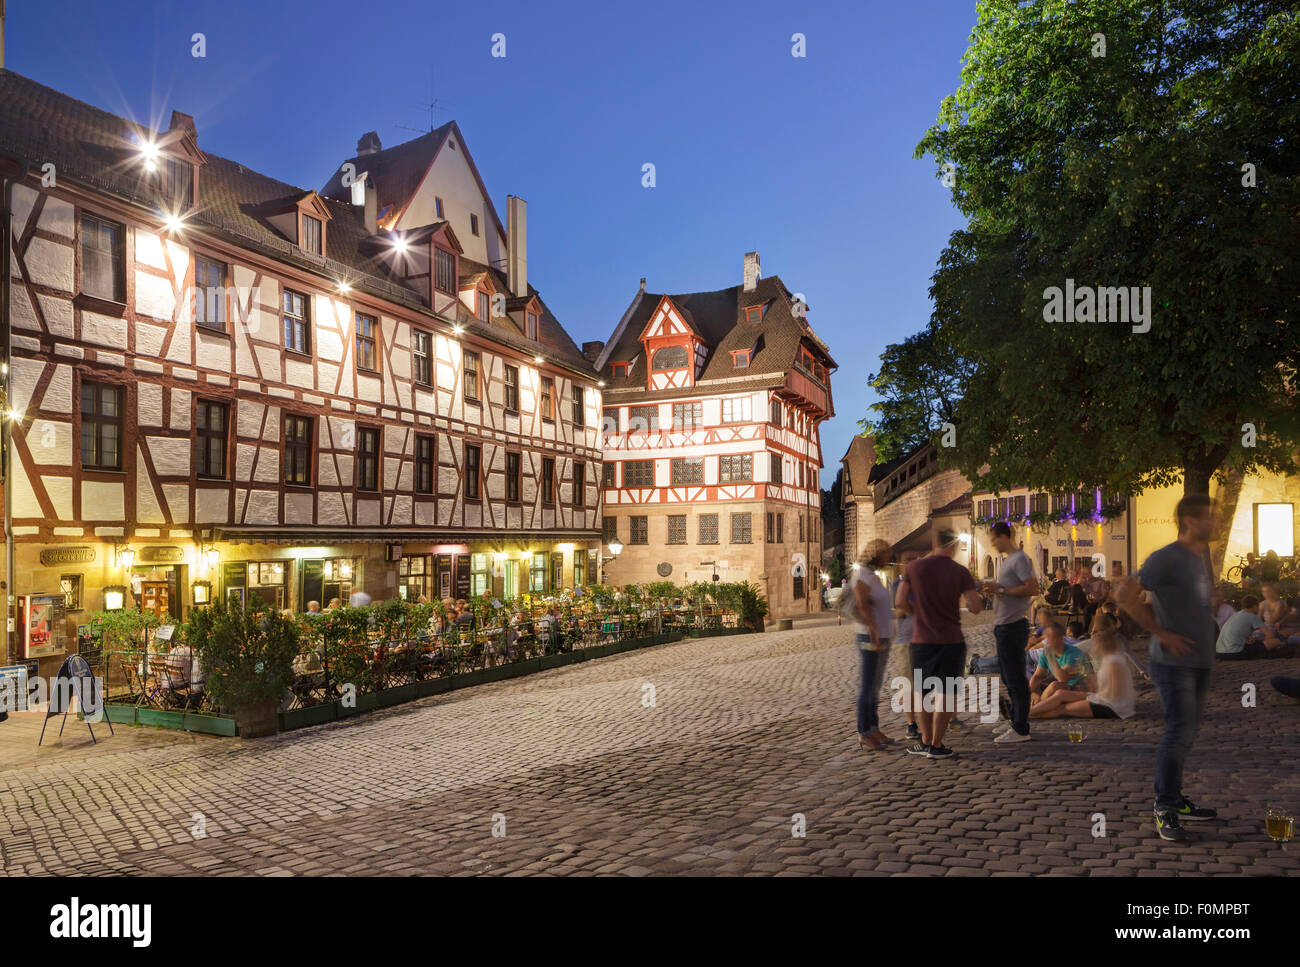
<point x="745" y="732"/>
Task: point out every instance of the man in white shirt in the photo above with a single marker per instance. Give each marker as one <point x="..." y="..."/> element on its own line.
<point x="1013" y="590"/>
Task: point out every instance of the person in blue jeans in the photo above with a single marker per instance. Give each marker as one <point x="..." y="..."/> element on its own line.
<point x="1013" y="590"/>
<point x="1183" y="633"/>
<point x="873" y="616"/>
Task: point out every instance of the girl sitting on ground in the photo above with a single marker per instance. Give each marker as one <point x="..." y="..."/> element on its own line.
<point x="1114" y="697"/>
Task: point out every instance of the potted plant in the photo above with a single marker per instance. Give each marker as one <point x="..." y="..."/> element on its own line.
<point x="249" y="659"/>
<point x="751" y="606"/>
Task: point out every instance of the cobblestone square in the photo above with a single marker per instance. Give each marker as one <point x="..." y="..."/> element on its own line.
<point x="583" y="776"/>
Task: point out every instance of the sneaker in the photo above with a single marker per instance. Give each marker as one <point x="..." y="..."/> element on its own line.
<point x="1001" y="727"/>
<point x="939" y="752"/>
<point x="1167" y="826"/>
<point x="918" y="748"/>
<point x="914" y="731"/>
<point x="1195" y="814"/>
<point x="1011" y="735"/>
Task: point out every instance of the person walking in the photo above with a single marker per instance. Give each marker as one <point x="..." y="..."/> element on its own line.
<point x="873" y="616"/>
<point x="1013" y="590"/>
<point x="1182" y="630"/>
<point x="938" y="650"/>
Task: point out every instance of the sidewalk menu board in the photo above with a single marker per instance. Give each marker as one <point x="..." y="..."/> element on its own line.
<point x="44" y="625"/>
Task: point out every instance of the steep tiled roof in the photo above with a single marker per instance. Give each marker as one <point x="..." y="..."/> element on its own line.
<point x="858" y="458"/>
<point x="95" y="148"/>
<point x="958" y="505"/>
<point x="719" y="318"/>
<point x="396" y="171"/>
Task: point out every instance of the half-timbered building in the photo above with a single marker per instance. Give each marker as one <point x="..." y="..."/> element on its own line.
<point x="713" y="408"/>
<point x="223" y="384"/>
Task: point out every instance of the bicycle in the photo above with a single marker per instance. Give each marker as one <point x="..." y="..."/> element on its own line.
<point x="1241" y="573"/>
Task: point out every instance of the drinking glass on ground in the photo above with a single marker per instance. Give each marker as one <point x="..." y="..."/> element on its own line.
<point x="1279" y="824"/>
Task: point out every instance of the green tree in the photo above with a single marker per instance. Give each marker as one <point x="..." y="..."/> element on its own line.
<point x="1119" y="170"/>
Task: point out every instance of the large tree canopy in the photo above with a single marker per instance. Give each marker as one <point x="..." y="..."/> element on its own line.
<point x="1122" y="169"/>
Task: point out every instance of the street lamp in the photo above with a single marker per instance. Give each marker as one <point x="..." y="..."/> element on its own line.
<point x="615" y="549"/>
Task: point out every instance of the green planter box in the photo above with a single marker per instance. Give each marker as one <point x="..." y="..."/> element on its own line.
<point x="599" y="651"/>
<point x="366" y="702"/>
<point x="556" y="661"/>
<point x="301" y="718"/>
<point x="499" y="672"/>
<point x="209" y="724"/>
<point x="433" y="686"/>
<point x="396" y="695"/>
<point x="161" y="718"/>
<point x="124" y="714"/>
<point x="465" y="680"/>
<point x="529" y="666"/>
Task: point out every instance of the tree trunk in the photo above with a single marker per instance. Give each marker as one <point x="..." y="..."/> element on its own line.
<point x="1198" y="468"/>
<point x="1225" y="510"/>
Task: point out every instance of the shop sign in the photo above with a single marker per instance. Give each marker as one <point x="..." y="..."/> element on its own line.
<point x="53" y="556"/>
<point x="161" y="555"/>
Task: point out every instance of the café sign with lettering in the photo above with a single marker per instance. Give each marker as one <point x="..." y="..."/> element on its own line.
<point x="161" y="555"/>
<point x="52" y="556"/>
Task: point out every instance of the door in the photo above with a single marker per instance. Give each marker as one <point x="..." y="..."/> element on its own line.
<point x="155" y="596"/>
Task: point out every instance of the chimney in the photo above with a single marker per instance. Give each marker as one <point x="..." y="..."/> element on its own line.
<point x="371" y="203"/>
<point x="180" y="122"/>
<point x="752" y="271"/>
<point x="642" y="284"/>
<point x="517" y="245"/>
<point x="592" y="350"/>
<point x="368" y="144"/>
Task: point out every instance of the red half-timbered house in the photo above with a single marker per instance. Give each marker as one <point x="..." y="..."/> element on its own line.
<point x="713" y="406"/>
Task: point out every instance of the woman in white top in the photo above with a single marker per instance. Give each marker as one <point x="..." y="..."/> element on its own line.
<point x="1115" y="697"/>
<point x="873" y="615"/>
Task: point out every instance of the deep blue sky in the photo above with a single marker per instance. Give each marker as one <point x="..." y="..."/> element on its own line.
<point x="807" y="161"/>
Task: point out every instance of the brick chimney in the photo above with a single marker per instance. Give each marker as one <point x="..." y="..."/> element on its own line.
<point x="752" y="271"/>
<point x="517" y="246"/>
<point x="180" y="122"/>
<point x="592" y="350"/>
<point x="368" y="144"/>
<point x="370" y="211"/>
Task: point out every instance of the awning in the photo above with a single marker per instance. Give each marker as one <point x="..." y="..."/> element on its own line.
<point x="918" y="540"/>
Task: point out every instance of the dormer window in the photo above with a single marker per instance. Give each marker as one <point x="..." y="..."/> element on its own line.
<point x="669" y="357"/>
<point x="484" y="302"/>
<point x="755" y="313"/>
<point x="178" y="184"/>
<point x="444" y="271"/>
<point x="530" y="325"/>
<point x="619" y="370"/>
<point x="740" y="358"/>
<point x="313" y="236"/>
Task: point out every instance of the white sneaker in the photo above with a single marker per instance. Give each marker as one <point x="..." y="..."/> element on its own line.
<point x="1001" y="727"/>
<point x="1011" y="735"/>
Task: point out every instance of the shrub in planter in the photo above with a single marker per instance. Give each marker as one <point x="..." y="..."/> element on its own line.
<point x="249" y="657"/>
<point x="751" y="606"/>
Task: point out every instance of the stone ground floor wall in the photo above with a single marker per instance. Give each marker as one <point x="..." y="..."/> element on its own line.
<point x="770" y="565"/>
<point x="283" y="575"/>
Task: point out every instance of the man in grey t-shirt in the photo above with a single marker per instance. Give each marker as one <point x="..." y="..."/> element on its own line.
<point x="1182" y="631"/>
<point x="1014" y="589"/>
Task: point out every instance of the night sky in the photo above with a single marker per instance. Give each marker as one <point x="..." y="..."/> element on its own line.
<point x="806" y="160"/>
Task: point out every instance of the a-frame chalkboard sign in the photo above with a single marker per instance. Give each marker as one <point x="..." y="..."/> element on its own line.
<point x="74" y="669"/>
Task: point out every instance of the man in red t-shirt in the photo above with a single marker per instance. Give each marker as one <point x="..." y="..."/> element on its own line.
<point x="937" y="585"/>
